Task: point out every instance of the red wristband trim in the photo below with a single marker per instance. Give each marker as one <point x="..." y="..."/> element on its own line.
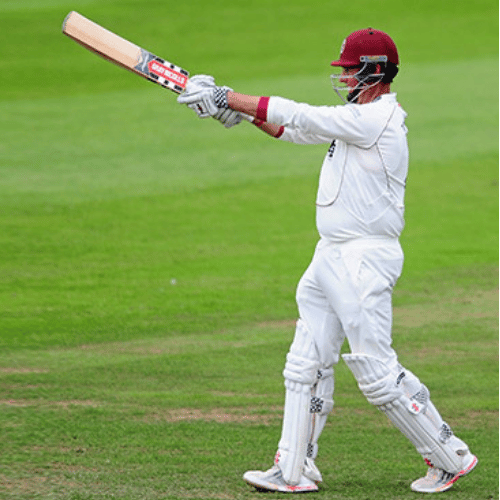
<point x="262" y="108"/>
<point x="260" y="124"/>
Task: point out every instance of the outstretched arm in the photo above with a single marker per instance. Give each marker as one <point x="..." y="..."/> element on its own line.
<point x="207" y="99"/>
<point x="253" y="106"/>
<point x="247" y="104"/>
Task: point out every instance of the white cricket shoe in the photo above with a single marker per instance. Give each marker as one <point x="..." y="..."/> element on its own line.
<point x="438" y="480"/>
<point x="272" y="480"/>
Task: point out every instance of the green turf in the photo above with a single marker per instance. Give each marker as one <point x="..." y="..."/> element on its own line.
<point x="149" y="260"/>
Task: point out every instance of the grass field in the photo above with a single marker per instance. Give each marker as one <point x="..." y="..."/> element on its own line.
<point x="148" y="260"/>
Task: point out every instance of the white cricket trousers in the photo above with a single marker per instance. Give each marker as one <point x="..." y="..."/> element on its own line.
<point x="346" y="292"/>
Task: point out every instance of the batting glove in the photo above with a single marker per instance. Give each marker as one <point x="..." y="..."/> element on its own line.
<point x="200" y="95"/>
<point x="228" y="117"/>
<point x="202" y="80"/>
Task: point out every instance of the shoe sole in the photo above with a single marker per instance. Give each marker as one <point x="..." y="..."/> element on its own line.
<point x="267" y="486"/>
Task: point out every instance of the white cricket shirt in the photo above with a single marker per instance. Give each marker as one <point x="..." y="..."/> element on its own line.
<point x="362" y="182"/>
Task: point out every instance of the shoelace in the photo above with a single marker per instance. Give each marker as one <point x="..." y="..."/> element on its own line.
<point x="439" y="475"/>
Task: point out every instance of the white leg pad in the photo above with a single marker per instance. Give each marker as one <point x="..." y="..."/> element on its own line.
<point x="300" y="375"/>
<point x="293" y="442"/>
<point x="411" y="412"/>
<point x="414" y="389"/>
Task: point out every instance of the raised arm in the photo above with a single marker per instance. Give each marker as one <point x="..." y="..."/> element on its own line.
<point x="204" y="97"/>
<point x="254" y="106"/>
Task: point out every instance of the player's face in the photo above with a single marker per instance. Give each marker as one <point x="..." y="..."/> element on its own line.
<point x="348" y="78"/>
<point x="349" y="83"/>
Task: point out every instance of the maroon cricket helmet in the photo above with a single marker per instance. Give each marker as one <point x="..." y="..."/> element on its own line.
<point x="368" y="42"/>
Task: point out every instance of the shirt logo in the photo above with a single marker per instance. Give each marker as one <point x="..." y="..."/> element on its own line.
<point x="331" y="149"/>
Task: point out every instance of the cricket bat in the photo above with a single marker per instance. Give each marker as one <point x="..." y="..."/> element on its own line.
<point x="116" y="49"/>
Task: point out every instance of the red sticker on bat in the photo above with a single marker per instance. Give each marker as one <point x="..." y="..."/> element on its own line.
<point x="169" y="74"/>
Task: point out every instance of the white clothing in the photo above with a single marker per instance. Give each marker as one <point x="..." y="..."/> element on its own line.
<point x="347" y="289"/>
<point x="347" y="292"/>
<point x="362" y="181"/>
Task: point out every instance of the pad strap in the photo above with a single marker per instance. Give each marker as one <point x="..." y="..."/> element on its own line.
<point x="321" y="405"/>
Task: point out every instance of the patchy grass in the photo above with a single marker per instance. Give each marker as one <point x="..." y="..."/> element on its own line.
<point x="149" y="259"/>
<point x="172" y="418"/>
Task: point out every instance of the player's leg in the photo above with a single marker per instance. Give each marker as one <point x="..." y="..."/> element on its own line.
<point x="308" y="400"/>
<point x="386" y="384"/>
<point x="324" y="326"/>
<point x="309" y="393"/>
<point x="304" y="423"/>
<point x="406" y="402"/>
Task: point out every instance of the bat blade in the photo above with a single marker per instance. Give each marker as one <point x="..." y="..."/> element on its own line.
<point x="126" y="54"/>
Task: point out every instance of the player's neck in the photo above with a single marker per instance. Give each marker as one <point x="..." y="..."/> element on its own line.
<point x="369" y="95"/>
